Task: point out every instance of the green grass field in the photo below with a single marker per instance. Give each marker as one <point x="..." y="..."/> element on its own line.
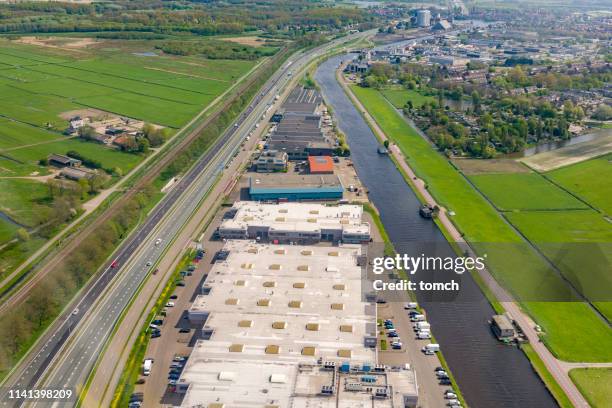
<point x="579" y="243"/>
<point x="28" y="202"/>
<point x="398" y="96"/>
<point x="594" y="383"/>
<point x="574" y="332"/>
<point x="589" y="180"/>
<point x="524" y="191"/>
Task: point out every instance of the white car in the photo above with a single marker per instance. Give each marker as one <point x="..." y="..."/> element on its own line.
<point x="170" y="304"/>
<point x="149" y="263"/>
<point x="75" y="311"/>
<point x="158" y="241"/>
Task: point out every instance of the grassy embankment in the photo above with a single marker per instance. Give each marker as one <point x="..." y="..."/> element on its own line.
<point x="573" y="331"/>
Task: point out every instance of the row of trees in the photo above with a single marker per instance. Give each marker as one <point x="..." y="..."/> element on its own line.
<point x="28" y="319"/>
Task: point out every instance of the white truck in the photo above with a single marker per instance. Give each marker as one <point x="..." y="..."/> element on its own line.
<point x="422" y="325"/>
<point x="431" y="348"/>
<point x="423" y="335"/>
<point x="146" y="367"/>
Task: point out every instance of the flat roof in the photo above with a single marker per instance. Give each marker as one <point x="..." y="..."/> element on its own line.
<point x="296" y="216"/>
<point x="293" y="180"/>
<point x="321" y="164"/>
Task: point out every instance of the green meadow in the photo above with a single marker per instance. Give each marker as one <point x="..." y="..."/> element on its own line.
<point x="524" y="191"/>
<point x="399" y="96"/>
<point x="589" y="180"/>
<point x="594" y="383"/>
<point x="573" y="331"/>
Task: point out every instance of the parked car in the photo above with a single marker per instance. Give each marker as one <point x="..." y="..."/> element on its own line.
<point x="173" y="376"/>
<point x="445" y="381"/>
<point x="180" y="283"/>
<point x="392" y="334"/>
<point x="184" y="330"/>
<point x="170" y="304"/>
<point x="179" y="358"/>
<point x="155" y="335"/>
<point x="158" y="322"/>
<point x="174" y="297"/>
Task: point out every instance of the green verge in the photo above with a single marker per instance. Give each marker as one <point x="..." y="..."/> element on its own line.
<point x="594" y="384"/>
<point x="513" y="261"/>
<point x="134" y="362"/>
<point x="546" y="376"/>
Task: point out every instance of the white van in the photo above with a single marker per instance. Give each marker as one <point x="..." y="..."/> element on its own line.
<point x="410" y="305"/>
<point x="146" y="367"/>
<point x="418" y="318"/>
<point x="423" y="335"/>
<point x="433" y="347"/>
<point x="422" y="325"/>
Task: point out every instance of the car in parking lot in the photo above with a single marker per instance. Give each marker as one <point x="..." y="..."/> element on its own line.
<point x="180" y="283"/>
<point x="184" y="330"/>
<point x="149" y="263"/>
<point x="392" y="334"/>
<point x="445" y="381"/>
<point x="170" y="304"/>
<point x="174" y="297"/>
<point x="173" y="376"/>
<point x="155" y="335"/>
<point x="179" y="358"/>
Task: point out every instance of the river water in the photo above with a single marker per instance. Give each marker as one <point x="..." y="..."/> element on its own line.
<point x="488" y="373"/>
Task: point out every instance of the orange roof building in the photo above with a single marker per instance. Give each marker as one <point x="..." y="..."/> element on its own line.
<point x="321" y="165"/>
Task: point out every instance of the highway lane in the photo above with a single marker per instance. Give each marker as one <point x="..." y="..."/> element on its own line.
<point x="70" y="353"/>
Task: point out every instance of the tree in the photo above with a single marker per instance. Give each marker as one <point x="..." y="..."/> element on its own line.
<point x="22" y="235"/>
<point x="603" y="112"/>
<point x="83" y="185"/>
<point x="87" y="132"/>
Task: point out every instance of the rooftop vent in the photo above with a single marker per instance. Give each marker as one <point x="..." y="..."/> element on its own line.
<point x="346" y="328"/>
<point x="333" y="253"/>
<point x="279" y="325"/>
<point x="275" y="267"/>
<point x="299" y="285"/>
<point x="309" y="351"/>
<point x="295" y="304"/>
<point x="303" y="268"/>
<point x="269" y="284"/>
<point x="263" y="302"/>
<point x="231" y="301"/>
<point x="236" y="348"/>
<point x="281" y="251"/>
<point x="272" y="349"/>
<point x="247" y="266"/>
<point x="245" y="323"/>
<point x="312" y="326"/>
<point x="339" y="286"/>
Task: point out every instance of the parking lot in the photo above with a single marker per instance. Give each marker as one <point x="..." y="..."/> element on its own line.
<point x="431" y="393"/>
<point x="156" y="390"/>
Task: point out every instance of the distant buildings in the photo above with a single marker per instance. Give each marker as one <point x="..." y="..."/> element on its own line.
<point x="423" y="18"/>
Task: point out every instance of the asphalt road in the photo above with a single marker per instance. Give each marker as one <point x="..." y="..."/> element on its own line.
<point x="69" y="354"/>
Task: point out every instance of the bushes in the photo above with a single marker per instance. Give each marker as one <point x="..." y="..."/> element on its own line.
<point x="215" y="49"/>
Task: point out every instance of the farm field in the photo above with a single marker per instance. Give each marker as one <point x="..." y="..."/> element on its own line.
<point x="578" y="243"/>
<point x="398" y="96"/>
<point x="524" y="191"/>
<point x="589" y="180"/>
<point x="41" y="86"/>
<point x="513" y="262"/>
<point x="594" y="383"/>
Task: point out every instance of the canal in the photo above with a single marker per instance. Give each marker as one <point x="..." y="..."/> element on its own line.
<point x="488" y="373"/>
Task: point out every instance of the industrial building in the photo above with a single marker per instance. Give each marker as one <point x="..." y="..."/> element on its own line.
<point x="285" y="326"/>
<point x="423" y="18"/>
<point x="298" y="132"/>
<point x="295" y="187"/>
<point x="270" y="161"/>
<point x="295" y="222"/>
<point x="320" y="165"/>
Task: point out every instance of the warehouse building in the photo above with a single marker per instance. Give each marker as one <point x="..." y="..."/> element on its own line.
<point x="295" y="187"/>
<point x="320" y="165"/>
<point x="295" y="222"/>
<point x="285" y="326"/>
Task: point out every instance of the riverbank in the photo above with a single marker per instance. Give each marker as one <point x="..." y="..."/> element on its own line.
<point x="380" y="114"/>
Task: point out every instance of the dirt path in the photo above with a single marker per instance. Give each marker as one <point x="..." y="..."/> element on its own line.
<point x="557" y="368"/>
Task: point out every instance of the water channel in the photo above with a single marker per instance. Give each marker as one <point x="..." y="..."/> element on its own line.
<point x="488" y="373"/>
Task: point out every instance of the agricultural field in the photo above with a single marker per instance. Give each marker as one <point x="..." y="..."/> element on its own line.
<point x="46" y="81"/>
<point x="398" y="96"/>
<point x="589" y="180"/>
<point x="573" y="331"/>
<point x="524" y="191"/>
<point x="594" y="383"/>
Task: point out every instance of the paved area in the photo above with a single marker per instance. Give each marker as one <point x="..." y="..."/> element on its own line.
<point x="431" y="394"/>
<point x="553" y="365"/>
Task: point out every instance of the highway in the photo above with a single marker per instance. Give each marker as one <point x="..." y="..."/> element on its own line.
<point x="76" y="340"/>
